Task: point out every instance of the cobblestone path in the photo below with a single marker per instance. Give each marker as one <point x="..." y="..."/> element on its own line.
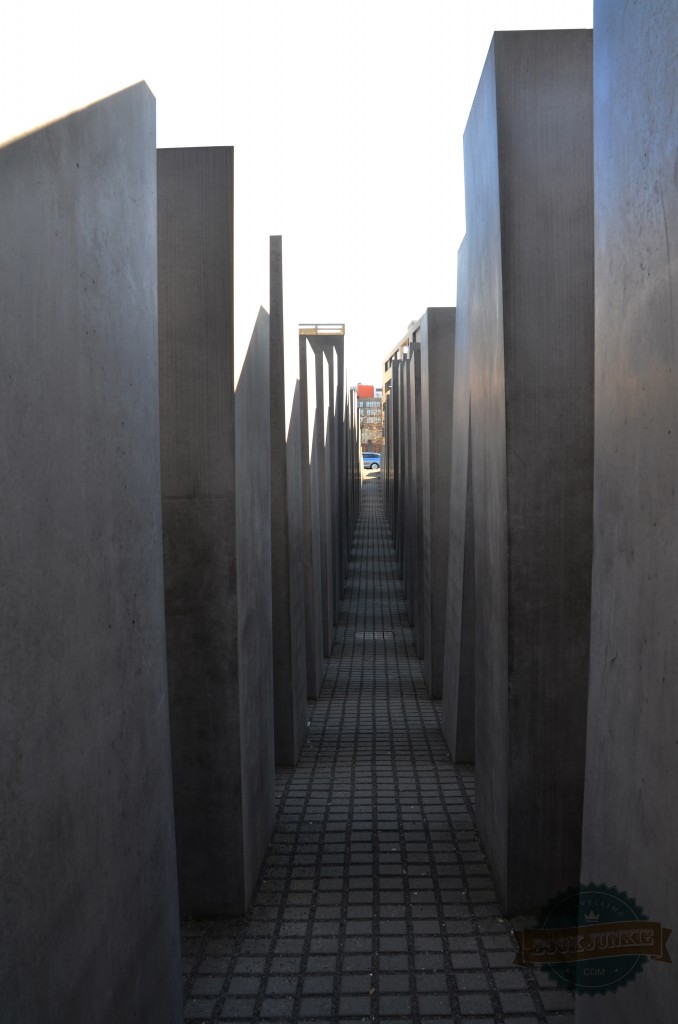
<point x="375" y="902"/>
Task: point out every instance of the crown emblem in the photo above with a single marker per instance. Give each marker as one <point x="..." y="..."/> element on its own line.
<point x="591" y="917"/>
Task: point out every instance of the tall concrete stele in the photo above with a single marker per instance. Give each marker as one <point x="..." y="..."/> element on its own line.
<point x="215" y="455"/>
<point x="528" y="161"/>
<point x="287" y="558"/>
<point x="324" y="456"/>
<point x="630" y="820"/>
<point x="435" y="332"/>
<point x="88" y="896"/>
<point x="458" y="683"/>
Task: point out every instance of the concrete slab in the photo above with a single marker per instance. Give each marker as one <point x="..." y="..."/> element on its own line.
<point x="387" y="458"/>
<point x="88" y="894"/>
<point x="289" y="648"/>
<point x="296" y="561"/>
<point x="413" y="544"/>
<point x="436" y="337"/>
<point x="331" y="346"/>
<point x="320" y="456"/>
<point x="316" y="521"/>
<point x="332" y="482"/>
<point x="312" y="616"/>
<point x="458" y="684"/>
<point x="217" y="834"/>
<point x="254" y="580"/>
<point x="354" y="460"/>
<point x="399" y="469"/>
<point x="528" y="167"/>
<point x="630" y="824"/>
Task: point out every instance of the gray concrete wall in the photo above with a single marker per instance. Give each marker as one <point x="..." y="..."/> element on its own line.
<point x="315" y="521"/>
<point x="203" y="554"/>
<point x="354" y="462"/>
<point x="528" y="164"/>
<point x="195" y="311"/>
<point x="630" y="822"/>
<point x="458" y="683"/>
<point x="332" y="469"/>
<point x="394" y="456"/>
<point x="312" y="618"/>
<point x="329" y="352"/>
<point x="436" y="337"/>
<point x="338" y="472"/>
<point x="400" y="453"/>
<point x="320" y="457"/>
<point x="407" y="525"/>
<point x="387" y="459"/>
<point x="88" y="893"/>
<point x="296" y="560"/>
<point x="254" y="583"/>
<point x="341" y="470"/>
<point x="289" y="649"/>
<point x="414" y="538"/>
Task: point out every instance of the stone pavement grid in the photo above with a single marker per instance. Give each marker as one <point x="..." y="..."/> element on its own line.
<point x="375" y="902"/>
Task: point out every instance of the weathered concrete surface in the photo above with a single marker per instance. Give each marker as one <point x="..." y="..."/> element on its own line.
<point x="332" y="480"/>
<point x="406" y="524"/>
<point x="341" y="471"/>
<point x="312" y="615"/>
<point x="331" y="346"/>
<point x="88" y="894"/>
<point x="314" y="421"/>
<point x="197" y="416"/>
<point x="387" y="458"/>
<point x="354" y="464"/>
<point x="528" y="164"/>
<point x="340" y="538"/>
<point x="209" y="681"/>
<point x="255" y="631"/>
<point x="458" y="685"/>
<point x="414" y="538"/>
<point x="320" y="457"/>
<point x="630" y="824"/>
<point x="289" y="648"/>
<point x="296" y="560"/>
<point x="436" y="337"/>
<point x="399" y="453"/>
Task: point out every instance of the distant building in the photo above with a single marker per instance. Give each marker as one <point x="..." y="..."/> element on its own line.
<point x="371" y="418"/>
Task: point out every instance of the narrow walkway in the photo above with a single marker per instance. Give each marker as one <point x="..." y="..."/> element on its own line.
<point x="375" y="902"/>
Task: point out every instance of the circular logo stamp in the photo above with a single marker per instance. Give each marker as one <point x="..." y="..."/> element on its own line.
<point x="593" y="939"/>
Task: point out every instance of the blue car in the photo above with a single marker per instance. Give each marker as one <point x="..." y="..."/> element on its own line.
<point x="371" y="460"/>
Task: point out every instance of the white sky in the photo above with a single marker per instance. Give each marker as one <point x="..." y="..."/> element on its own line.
<point x="347" y="120"/>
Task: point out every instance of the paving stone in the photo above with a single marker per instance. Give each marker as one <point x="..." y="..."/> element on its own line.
<point x="516" y="1002"/>
<point x="204" y="985"/>
<point x="437" y="1003"/>
<point x="319" y="1007"/>
<point x="276" y="1009"/>
<point x="197" y="1009"/>
<point x="354" y="1006"/>
<point x="235" y="1009"/>
<point x="400" y="1004"/>
<point x="244" y="985"/>
<point x="389" y="983"/>
<point x="471" y="981"/>
<point x="557" y="1000"/>
<point x="474" y="1003"/>
<point x="279" y="985"/>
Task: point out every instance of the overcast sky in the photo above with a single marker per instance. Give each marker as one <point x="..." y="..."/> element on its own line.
<point x="347" y="121"/>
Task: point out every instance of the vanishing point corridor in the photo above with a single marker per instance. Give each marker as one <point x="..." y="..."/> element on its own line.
<point x="375" y="902"/>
